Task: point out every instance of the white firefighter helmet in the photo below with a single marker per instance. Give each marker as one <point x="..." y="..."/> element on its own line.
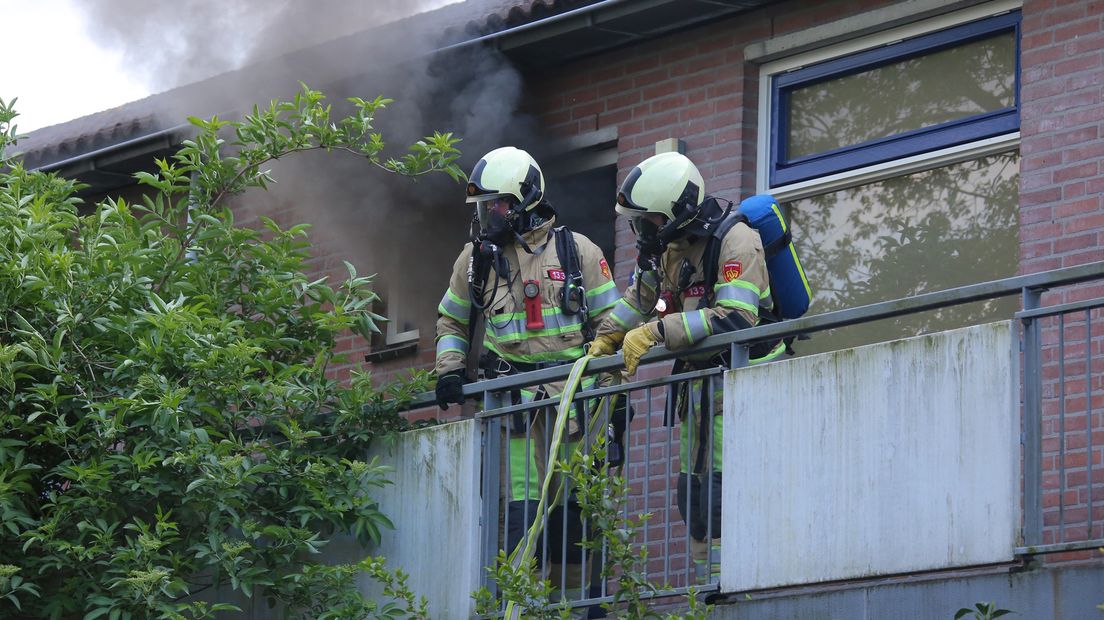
<point x="668" y="184"/>
<point x="504" y="172"/>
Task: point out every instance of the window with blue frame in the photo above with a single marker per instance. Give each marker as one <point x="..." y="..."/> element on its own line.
<point x="922" y="94"/>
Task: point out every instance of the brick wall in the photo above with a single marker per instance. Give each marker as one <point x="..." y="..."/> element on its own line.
<point x="1062" y="224"/>
<point x="687" y="87"/>
<point x="1061" y="126"/>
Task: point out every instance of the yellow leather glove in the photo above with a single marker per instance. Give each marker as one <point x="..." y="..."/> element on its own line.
<point x="637" y="342"/>
<point x="605" y="344"/>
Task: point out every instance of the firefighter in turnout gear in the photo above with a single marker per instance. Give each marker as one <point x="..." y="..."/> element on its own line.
<point x="540" y="291"/>
<point x="665" y="198"/>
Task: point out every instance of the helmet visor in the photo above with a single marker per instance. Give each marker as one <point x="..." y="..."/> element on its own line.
<point x="645" y="226"/>
<point x="494" y="214"/>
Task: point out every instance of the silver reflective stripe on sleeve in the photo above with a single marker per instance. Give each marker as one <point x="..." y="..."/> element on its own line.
<point x="452" y="344"/>
<point x="625" y="315"/>
<point x="455" y="307"/>
<point x="739" y="294"/>
<point x="697" y="326"/>
<point x="766" y="301"/>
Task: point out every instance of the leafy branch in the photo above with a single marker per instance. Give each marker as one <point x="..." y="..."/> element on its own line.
<point x="208" y="168"/>
<point x="169" y="422"/>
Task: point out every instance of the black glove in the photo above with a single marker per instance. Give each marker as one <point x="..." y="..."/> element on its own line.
<point x="450" y="389"/>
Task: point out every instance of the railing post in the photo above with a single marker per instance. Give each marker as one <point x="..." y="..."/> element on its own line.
<point x="492" y="450"/>
<point x="1033" y="423"/>
<point x="739" y="355"/>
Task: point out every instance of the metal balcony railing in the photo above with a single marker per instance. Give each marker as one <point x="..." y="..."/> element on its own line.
<point x="1063" y="390"/>
<point x="1061" y="413"/>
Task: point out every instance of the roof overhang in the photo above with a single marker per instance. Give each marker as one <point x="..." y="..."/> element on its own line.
<point x="605" y="25"/>
<point x="113" y="166"/>
<point x="532" y="40"/>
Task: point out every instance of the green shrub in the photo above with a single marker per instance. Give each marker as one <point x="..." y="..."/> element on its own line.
<point x="982" y="611"/>
<point x="166" y="420"/>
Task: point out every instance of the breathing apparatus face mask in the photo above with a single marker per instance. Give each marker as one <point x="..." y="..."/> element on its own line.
<point x="651" y="237"/>
<point x="496" y="218"/>
<point x="647" y="235"/>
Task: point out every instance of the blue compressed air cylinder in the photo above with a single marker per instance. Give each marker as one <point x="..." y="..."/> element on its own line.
<point x="787" y="279"/>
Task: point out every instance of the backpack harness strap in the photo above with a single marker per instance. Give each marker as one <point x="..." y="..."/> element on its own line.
<point x="573" y="297"/>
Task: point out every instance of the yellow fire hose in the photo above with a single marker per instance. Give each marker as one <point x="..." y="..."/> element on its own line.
<point x="527" y="547"/>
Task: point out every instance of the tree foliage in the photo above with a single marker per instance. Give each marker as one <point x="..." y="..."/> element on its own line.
<point x="601" y="494"/>
<point x="167" y="422"/>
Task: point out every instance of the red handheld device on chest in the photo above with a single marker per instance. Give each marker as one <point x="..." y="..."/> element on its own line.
<point x="534" y="318"/>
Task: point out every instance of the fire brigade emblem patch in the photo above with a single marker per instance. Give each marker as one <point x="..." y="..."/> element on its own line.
<point x="732" y="270"/>
<point x="605" y="268"/>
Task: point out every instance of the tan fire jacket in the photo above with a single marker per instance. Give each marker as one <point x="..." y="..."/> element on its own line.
<point x="742" y="287"/>
<point x="559" y="339"/>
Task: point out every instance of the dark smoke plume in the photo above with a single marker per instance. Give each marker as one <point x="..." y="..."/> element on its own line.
<point x="222" y="57"/>
<point x="170" y="44"/>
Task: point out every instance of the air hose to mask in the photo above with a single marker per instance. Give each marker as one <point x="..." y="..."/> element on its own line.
<point x="486" y="257"/>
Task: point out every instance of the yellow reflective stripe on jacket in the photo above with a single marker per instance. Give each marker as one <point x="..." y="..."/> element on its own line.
<point x="511" y="327"/>
<point x="454" y="306"/>
<point x="775" y="352"/>
<point x="739" y="294"/>
<point x="567" y="355"/>
<point x="625" y="315"/>
<point x="602" y="297"/>
<point x="696" y="325"/>
<point x="450" y="343"/>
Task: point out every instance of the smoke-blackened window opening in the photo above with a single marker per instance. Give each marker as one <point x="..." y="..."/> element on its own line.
<point x="584" y="203"/>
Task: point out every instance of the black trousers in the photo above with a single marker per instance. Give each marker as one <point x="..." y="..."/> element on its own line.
<point x="699" y="503"/>
<point x="523" y="513"/>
